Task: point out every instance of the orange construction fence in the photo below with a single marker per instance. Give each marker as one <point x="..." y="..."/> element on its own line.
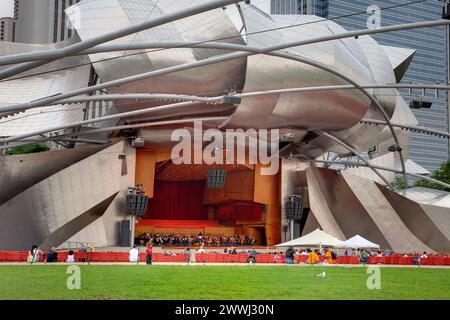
<point x="263" y="258"/>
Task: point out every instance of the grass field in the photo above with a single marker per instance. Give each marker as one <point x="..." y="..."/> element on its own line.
<point x="220" y="282"/>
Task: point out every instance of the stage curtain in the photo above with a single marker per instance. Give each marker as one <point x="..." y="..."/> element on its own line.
<point x="178" y="200"/>
<point x="240" y="211"/>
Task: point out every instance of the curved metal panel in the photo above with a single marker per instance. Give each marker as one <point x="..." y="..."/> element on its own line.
<point x="207" y="80"/>
<point x="48" y="206"/>
<point x="394" y="230"/>
<point x="43" y="83"/>
<point x="19" y="172"/>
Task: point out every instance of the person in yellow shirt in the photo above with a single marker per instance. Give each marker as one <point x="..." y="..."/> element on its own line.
<point x="330" y="257"/>
<point x="313" y="258"/>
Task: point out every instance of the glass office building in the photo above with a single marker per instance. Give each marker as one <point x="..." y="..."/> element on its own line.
<point x="316" y="7"/>
<point x="430" y="63"/>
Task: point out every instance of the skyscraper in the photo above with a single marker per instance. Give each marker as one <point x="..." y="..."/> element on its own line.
<point x="42" y="21"/>
<point x="316" y="7"/>
<point x="8" y="29"/>
<point x="430" y="63"/>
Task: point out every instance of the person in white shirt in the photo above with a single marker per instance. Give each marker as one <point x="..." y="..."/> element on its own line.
<point x="201" y="250"/>
<point x="71" y="257"/>
<point x="134" y="254"/>
<point x="424" y="255"/>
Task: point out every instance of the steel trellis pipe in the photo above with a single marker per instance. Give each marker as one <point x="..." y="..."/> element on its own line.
<point x="346" y="146"/>
<point x="268" y="50"/>
<point x="96" y="120"/>
<point x="235" y="55"/>
<point x="355" y="164"/>
<point x="121" y="127"/>
<point x="48" y="56"/>
<point x="248" y="51"/>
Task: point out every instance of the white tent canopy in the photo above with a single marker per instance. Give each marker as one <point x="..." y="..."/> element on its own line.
<point x="357" y="242"/>
<point x="315" y="238"/>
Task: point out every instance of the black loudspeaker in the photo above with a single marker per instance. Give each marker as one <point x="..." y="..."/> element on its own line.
<point x="216" y="178"/>
<point x="420" y="103"/>
<point x="125" y="233"/>
<point x="137" y="203"/>
<point x="446" y="11"/>
<point x="293" y="208"/>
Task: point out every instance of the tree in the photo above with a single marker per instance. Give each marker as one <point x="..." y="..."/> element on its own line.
<point x="399" y="183"/>
<point x="442" y="174"/>
<point x="31" y="148"/>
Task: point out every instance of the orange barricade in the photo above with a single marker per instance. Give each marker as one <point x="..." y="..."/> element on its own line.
<point x="386" y="260"/>
<point x="406" y="260"/>
<point x="242" y="258"/>
<point x="372" y="260"/>
<point x="353" y="260"/>
<point x="345" y="259"/>
<point x="122" y="257"/>
<point x="438" y="261"/>
<point x="301" y="258"/>
<point x="262" y="258"/>
<point x="447" y="261"/>
<point x="199" y="257"/>
<point x="395" y="260"/>
<point x="62" y="256"/>
<point x="81" y="256"/>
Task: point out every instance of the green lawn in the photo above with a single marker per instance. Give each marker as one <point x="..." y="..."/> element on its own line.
<point x="221" y="282"/>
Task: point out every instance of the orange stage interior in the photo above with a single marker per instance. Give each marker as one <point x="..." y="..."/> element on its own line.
<point x="181" y="202"/>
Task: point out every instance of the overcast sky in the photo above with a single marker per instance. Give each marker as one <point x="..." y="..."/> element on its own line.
<point x="6" y="8"/>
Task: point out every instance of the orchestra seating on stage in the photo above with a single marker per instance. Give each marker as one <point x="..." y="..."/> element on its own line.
<point x="188" y="227"/>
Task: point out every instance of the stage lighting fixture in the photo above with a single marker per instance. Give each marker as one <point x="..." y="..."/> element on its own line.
<point x="216" y="178"/>
<point x="420" y="103"/>
<point x="288" y="137"/>
<point x="293" y="207"/>
<point x="138" y="142"/>
<point x="446" y="11"/>
<point x="395" y="148"/>
<point x="231" y="100"/>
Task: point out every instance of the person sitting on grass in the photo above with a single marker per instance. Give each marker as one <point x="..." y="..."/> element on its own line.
<point x="71" y="257"/>
<point x="330" y="256"/>
<point x="313" y="258"/>
<point x="290" y="255"/>
<point x="52" y="256"/>
<point x="33" y="254"/>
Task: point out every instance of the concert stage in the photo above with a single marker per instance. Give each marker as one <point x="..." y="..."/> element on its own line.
<point x="182" y="202"/>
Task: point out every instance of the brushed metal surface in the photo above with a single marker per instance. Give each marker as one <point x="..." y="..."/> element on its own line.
<point x="425" y="221"/>
<point x="320" y="208"/>
<point x="20" y="172"/>
<point x="35" y="214"/>
<point x="394" y="230"/>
